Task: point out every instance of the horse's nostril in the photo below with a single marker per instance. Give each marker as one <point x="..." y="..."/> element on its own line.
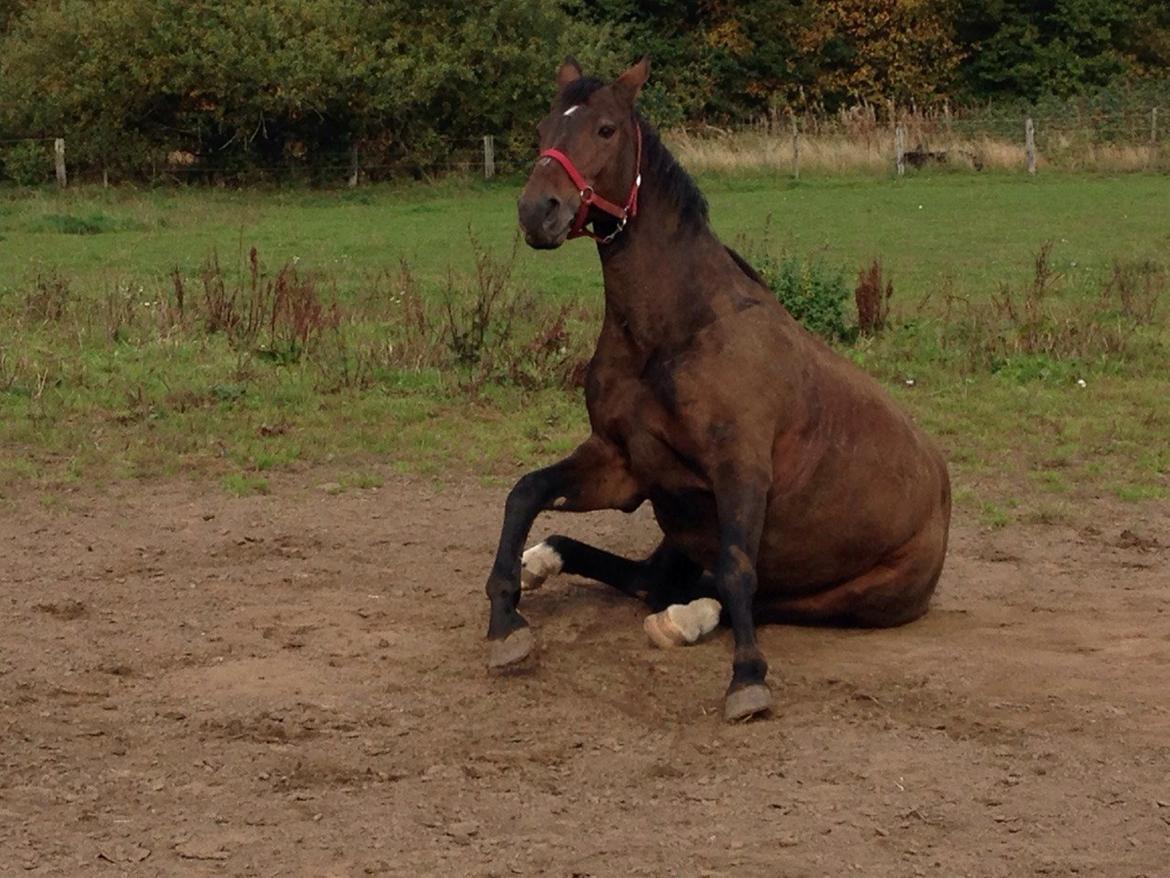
<point x="553" y="204"/>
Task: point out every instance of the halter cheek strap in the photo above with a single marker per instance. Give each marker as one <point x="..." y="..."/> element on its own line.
<point x="590" y="199"/>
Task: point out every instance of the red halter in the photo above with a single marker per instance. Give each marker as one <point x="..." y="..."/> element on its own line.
<point x="589" y="198"/>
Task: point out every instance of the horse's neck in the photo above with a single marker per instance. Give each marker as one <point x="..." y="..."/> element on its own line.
<point x="654" y="277"/>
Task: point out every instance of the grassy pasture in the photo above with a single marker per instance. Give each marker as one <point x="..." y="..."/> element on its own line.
<point x="965" y="228"/>
<point x="101" y="378"/>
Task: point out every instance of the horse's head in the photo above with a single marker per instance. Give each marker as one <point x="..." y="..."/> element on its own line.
<point x="589" y="153"/>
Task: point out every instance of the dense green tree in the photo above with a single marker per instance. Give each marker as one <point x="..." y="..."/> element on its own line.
<point x="1146" y="39"/>
<point x="9" y="9"/>
<point x="713" y="59"/>
<point x="274" y="81"/>
<point x="1031" y="47"/>
<point x="277" y="83"/>
<point x="880" y="50"/>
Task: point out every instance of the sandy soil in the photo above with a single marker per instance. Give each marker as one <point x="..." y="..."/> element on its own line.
<point x="192" y="684"/>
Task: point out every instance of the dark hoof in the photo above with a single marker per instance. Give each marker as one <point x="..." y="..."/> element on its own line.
<point x="512" y="650"/>
<point x="745" y="703"/>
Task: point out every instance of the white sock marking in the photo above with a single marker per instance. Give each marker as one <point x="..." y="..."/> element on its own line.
<point x="537" y="564"/>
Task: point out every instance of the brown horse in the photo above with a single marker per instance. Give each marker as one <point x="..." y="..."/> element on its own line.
<point x="787" y="483"/>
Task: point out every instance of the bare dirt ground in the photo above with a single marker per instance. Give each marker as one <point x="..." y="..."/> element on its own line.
<point x="192" y="684"/>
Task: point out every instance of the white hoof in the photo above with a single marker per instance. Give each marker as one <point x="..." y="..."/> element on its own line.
<point x="682" y="624"/>
<point x="538" y="564"/>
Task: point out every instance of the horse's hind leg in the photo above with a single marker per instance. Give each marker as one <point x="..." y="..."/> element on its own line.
<point x="890" y="594"/>
<point x="670" y="583"/>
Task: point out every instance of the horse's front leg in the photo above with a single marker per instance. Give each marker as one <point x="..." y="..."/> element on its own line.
<point x="595" y="476"/>
<point x="742" y="507"/>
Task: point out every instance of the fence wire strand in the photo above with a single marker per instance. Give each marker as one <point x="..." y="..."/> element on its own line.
<point x="940" y="136"/>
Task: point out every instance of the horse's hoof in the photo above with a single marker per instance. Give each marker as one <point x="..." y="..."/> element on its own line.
<point x="512" y="650"/>
<point x="662" y="631"/>
<point x="745" y="703"/>
<point x="682" y="624"/>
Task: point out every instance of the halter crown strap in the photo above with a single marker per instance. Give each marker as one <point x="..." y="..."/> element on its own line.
<point x="589" y="198"/>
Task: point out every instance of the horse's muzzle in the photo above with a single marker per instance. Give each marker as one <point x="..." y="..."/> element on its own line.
<point x="546" y="221"/>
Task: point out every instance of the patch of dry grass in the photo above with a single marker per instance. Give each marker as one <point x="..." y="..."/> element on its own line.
<point x="856" y="141"/>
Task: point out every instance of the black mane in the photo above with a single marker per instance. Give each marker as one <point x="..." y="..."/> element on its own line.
<point x="672" y="182"/>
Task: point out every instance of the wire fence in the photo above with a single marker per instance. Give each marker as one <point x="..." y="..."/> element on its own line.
<point x="36" y="160"/>
<point x="855" y="139"/>
<point x="863" y="139"/>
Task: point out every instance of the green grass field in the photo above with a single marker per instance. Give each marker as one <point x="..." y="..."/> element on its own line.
<point x="101" y="378"/>
<point x="967" y="228"/>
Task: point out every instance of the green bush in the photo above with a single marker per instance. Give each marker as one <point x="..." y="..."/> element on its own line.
<point x="813" y="292"/>
<point x="27" y="164"/>
<point x="283" y="85"/>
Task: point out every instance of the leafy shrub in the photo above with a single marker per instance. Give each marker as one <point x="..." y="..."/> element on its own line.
<point x="284" y="85"/>
<point x="813" y="292"/>
<point x="27" y="164"/>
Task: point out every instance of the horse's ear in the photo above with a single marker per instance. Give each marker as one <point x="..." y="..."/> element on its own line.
<point x="568" y="73"/>
<point x="631" y="82"/>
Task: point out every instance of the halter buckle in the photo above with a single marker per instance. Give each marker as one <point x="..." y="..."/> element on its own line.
<point x="617" y="230"/>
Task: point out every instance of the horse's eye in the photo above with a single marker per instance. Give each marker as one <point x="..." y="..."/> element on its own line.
<point x="607" y="131"/>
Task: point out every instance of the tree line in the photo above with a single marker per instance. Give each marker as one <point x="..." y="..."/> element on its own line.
<point x="241" y="85"/>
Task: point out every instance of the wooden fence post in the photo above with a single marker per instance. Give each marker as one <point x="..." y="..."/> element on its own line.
<point x="900" y="149"/>
<point x="795" y="148"/>
<point x="1030" y="144"/>
<point x="489" y="157"/>
<point x="354" y="167"/>
<point x="1154" y="126"/>
<point x="59" y="155"/>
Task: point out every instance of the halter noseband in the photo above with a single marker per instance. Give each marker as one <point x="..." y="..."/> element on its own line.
<point x="589" y="198"/>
